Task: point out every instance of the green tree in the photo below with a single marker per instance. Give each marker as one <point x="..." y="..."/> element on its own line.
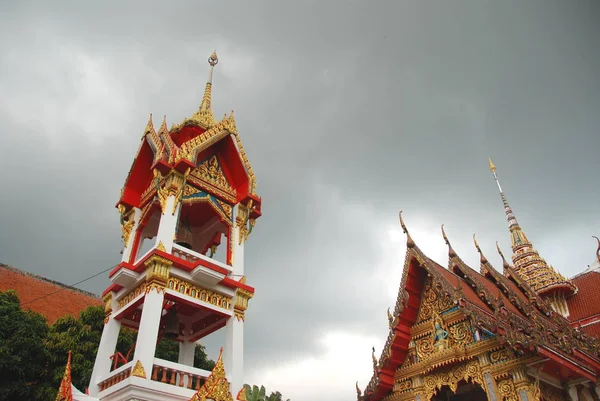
<point x="255" y="393"/>
<point x="169" y="351"/>
<point x="23" y="356"/>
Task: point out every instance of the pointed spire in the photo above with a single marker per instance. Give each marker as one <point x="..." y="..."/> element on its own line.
<point x="528" y="264"/>
<point x="512" y="221"/>
<point x="204" y="113"/>
<point x="65" y="392"/>
<point x="149" y="126"/>
<point x="163" y="126"/>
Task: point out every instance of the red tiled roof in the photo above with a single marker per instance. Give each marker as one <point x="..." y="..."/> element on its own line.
<point x="592" y="329"/>
<point x="30" y="287"/>
<point x="585" y="302"/>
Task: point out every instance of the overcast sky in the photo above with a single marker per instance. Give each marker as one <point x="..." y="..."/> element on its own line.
<point x="349" y="111"/>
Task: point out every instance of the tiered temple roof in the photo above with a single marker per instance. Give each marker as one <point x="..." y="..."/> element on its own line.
<point x="495" y="305"/>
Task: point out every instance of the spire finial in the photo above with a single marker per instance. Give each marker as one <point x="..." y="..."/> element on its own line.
<point x="492" y="167"/>
<point x="205" y="115"/>
<point x="510" y="216"/>
<point x="597" y="250"/>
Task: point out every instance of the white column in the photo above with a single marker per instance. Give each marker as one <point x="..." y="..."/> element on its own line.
<point x="148" y="330"/>
<point x="108" y="344"/>
<point x="238" y="249"/>
<point x="168" y="224"/>
<point x="132" y="236"/>
<point x="233" y="354"/>
<point x="186" y="353"/>
<point x="573" y="393"/>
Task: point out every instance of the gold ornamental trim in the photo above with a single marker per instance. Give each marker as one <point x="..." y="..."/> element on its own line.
<point x="138" y="370"/>
<point x="199" y="293"/>
<point x="216" y="386"/>
<point x="140" y="289"/>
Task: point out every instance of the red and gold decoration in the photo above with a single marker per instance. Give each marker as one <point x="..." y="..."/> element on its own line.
<point x="65" y="392"/>
<point x="456" y="332"/>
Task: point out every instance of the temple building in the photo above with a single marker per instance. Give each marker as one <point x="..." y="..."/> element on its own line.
<point x="526" y="334"/>
<point x="186" y="209"/>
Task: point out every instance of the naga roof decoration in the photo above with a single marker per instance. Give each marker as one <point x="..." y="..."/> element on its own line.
<point x="506" y="314"/>
<point x="528" y="264"/>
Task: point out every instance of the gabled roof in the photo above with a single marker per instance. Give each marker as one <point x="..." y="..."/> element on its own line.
<point x="491" y="302"/>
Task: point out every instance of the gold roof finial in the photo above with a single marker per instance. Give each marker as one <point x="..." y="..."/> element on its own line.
<point x="204" y="116"/>
<point x="492" y="167"/>
<point x="482" y="258"/>
<point x="451" y="252"/>
<point x="409" y="241"/>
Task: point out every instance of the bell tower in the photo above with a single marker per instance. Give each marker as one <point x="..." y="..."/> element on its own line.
<point x="186" y="209"/>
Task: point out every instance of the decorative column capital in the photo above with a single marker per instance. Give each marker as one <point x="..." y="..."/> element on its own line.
<point x="108" y="306"/>
<point x="158" y="271"/>
<point x="241" y="303"/>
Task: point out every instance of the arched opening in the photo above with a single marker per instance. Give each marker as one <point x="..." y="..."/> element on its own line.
<point x="465" y="391"/>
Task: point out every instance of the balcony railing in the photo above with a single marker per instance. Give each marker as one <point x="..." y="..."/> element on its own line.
<point x="191" y="256"/>
<point x="179" y="375"/>
<point x="116" y="376"/>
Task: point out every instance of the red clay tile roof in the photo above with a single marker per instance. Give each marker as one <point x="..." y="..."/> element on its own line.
<point x="585" y="303"/>
<point x="29" y="287"/>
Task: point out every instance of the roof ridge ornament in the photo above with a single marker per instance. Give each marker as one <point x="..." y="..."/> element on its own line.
<point x="482" y="257"/>
<point x="451" y="252"/>
<point x="409" y="241"/>
<point x="505" y="264"/>
<point x="597" y="250"/>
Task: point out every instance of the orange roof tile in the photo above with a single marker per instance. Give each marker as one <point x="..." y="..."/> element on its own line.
<point x="585" y="303"/>
<point x="29" y="287"/>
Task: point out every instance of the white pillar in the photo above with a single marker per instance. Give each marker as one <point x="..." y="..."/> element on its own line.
<point x="132" y="236"/>
<point x="168" y="224"/>
<point x="148" y="330"/>
<point x="186" y="353"/>
<point x="238" y="249"/>
<point x="108" y="344"/>
<point x="233" y="354"/>
<point x="573" y="393"/>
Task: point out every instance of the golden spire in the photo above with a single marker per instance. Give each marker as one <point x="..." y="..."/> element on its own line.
<point x="532" y="268"/>
<point x="492" y="167"/>
<point x="204" y="115"/>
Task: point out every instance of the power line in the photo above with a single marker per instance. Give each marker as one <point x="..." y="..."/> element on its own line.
<point x="72" y="286"/>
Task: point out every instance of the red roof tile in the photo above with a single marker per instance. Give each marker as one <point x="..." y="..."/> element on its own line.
<point x="585" y="302"/>
<point x="30" y="287"/>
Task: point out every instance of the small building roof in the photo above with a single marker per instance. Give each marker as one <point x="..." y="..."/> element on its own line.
<point x="34" y="293"/>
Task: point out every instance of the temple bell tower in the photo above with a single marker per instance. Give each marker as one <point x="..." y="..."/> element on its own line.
<point x="186" y="210"/>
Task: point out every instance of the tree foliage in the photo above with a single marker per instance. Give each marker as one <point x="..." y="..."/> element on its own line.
<point x="23" y="355"/>
<point x="255" y="393"/>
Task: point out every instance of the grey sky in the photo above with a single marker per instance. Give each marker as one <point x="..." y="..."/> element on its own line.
<point x="349" y="111"/>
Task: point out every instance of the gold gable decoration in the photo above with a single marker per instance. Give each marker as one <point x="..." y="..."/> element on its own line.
<point x="210" y="171"/>
<point x="216" y="386"/>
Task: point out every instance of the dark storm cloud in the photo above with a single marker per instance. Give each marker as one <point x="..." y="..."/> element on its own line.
<point x="349" y="111"/>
